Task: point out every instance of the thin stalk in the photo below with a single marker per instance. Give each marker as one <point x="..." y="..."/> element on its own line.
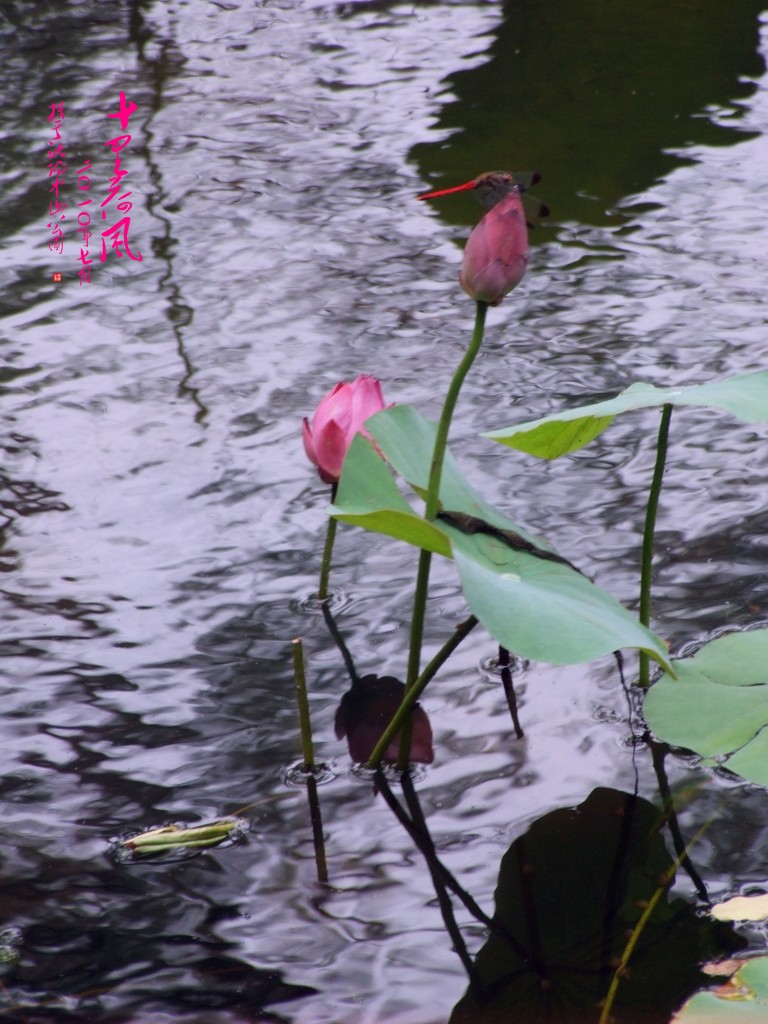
<point x="659" y="753"/>
<point x="338" y="639"/>
<point x="305" y="725"/>
<point x="646" y="572"/>
<point x="414" y="650"/>
<point x="444" y="424"/>
<point x="666" y="879"/>
<point x="505" y="664"/>
<point x="432" y="507"/>
<point x="325" y="565"/>
<point x="416" y="827"/>
<point x="412" y="695"/>
<point x="423" y="842"/>
<point x="315" y="818"/>
<point x="318" y="839"/>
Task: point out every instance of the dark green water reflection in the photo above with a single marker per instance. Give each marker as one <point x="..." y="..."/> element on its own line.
<point x="597" y="96"/>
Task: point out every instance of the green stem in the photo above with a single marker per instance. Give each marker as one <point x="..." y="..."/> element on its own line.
<point x="646" y="572"/>
<point x="325" y="565"/>
<point x="430" y="513"/>
<point x="414" y="651"/>
<point x="301" y="695"/>
<point x="412" y="695"/>
<point x="666" y="879"/>
<point x="444" y="424"/>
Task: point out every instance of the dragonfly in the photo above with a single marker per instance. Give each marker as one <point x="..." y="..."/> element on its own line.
<point x="492" y="186"/>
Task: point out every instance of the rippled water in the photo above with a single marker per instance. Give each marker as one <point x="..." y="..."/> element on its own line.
<point x="161" y="528"/>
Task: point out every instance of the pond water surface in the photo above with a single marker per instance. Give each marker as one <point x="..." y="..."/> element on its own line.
<point x="161" y="528"/>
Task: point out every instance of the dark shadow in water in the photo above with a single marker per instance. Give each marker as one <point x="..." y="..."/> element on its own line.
<point x="50" y="52"/>
<point x="570" y="892"/>
<point x="159" y="72"/>
<point x="595" y="96"/>
<point x="367" y="708"/>
<point x="20" y="496"/>
<point x="572" y="889"/>
<point x="117" y="945"/>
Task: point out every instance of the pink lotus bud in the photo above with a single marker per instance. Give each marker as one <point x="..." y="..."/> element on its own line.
<point x="496" y="253"/>
<point x="338" y="417"/>
<point x="367" y="709"/>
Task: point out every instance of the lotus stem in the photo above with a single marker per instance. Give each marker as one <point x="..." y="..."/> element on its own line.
<point x="412" y="695"/>
<point x="432" y="507"/>
<point x="444" y="423"/>
<point x="305" y="725"/>
<point x="665" y="881"/>
<point x="325" y="565"/>
<point x="309" y="761"/>
<point x="414" y="653"/>
<point x="646" y="572"/>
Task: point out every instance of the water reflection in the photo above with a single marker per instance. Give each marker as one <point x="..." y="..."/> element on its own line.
<point x="365" y="711"/>
<point x="596" y="97"/>
<point x="574" y="888"/>
<point x="164" y="526"/>
<point x="368" y="706"/>
<point x="572" y="892"/>
<point x="120" y="945"/>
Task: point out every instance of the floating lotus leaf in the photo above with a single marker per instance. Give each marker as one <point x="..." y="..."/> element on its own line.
<point x="718" y="704"/>
<point x="743" y="997"/>
<point x="742" y="908"/>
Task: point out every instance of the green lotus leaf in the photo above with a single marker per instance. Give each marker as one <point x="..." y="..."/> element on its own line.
<point x="718" y="704"/>
<point x="745" y="397"/>
<point x="743" y="997"/>
<point x="530" y="599"/>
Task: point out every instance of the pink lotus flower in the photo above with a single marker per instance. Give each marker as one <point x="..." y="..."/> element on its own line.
<point x="496" y="253"/>
<point x="338" y="417"/>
